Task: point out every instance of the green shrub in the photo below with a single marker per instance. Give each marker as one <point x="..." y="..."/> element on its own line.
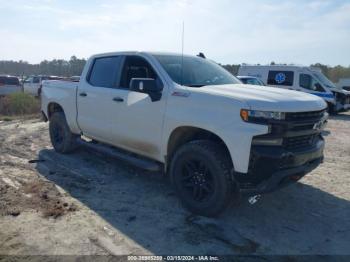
<point x="19" y="104"/>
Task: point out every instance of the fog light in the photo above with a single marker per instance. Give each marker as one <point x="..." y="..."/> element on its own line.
<point x="267" y="141"/>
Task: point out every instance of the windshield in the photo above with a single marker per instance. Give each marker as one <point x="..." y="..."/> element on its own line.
<point x="324" y="80"/>
<point x="196" y="71"/>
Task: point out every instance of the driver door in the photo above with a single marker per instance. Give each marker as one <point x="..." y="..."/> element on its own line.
<point x="139" y="122"/>
<point x="309" y="85"/>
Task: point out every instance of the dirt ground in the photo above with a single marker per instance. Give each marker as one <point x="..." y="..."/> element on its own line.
<point x="83" y="204"/>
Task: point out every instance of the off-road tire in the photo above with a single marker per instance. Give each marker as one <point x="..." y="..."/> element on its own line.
<point x="62" y="139"/>
<point x="218" y="162"/>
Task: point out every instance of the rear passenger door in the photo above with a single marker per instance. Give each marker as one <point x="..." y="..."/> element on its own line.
<point x="94" y="98"/>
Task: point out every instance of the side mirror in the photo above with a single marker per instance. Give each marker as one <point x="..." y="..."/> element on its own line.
<point x="148" y="86"/>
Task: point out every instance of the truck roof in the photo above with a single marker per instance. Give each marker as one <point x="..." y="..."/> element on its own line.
<point x="138" y="52"/>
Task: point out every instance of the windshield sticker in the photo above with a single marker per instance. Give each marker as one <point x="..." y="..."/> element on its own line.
<point x="280" y="78"/>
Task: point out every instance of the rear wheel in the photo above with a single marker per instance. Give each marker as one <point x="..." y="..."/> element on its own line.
<point x="200" y="173"/>
<point x="62" y="139"/>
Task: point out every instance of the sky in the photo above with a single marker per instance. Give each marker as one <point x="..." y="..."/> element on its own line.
<point x="227" y="31"/>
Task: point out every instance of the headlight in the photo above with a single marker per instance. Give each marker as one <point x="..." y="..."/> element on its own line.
<point x="261" y="116"/>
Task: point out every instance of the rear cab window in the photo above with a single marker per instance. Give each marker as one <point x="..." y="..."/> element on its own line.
<point x="105" y="71"/>
<point x="6" y="80"/>
<point x="280" y="78"/>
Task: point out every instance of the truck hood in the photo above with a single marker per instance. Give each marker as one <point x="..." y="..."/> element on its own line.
<point x="342" y="91"/>
<point x="268" y="98"/>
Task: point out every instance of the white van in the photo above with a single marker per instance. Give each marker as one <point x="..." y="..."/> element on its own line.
<point x="305" y="79"/>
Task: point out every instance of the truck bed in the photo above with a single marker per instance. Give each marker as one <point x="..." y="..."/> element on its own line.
<point x="64" y="93"/>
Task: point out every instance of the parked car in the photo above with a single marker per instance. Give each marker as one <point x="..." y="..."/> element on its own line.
<point x="9" y="85"/>
<point x="304" y="79"/>
<point x="32" y="84"/>
<point x="188" y="117"/>
<point x="251" y="80"/>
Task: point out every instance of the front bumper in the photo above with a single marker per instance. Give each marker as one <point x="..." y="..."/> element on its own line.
<point x="272" y="167"/>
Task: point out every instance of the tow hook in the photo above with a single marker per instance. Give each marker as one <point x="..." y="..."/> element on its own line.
<point x="253" y="199"/>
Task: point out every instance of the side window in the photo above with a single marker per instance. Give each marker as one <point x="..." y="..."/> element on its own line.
<point x="308" y="82"/>
<point x="280" y="78"/>
<point x="136" y="67"/>
<point x="12" y="81"/>
<point x="305" y="81"/>
<point x="104" y="71"/>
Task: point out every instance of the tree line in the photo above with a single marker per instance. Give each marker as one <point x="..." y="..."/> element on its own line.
<point x="74" y="66"/>
<point x="58" y="67"/>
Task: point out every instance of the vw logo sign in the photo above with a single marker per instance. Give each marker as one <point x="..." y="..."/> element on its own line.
<point x="280" y="78"/>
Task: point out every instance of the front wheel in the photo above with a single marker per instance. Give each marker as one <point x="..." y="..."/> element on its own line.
<point x="62" y="139"/>
<point x="200" y="172"/>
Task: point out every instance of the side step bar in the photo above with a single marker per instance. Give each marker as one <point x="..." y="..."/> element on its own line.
<point x="129" y="158"/>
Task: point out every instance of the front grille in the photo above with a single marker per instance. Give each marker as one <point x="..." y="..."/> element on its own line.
<point x="300" y="116"/>
<point x="300" y="141"/>
<point x="303" y="127"/>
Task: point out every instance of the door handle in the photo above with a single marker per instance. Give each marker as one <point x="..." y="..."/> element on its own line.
<point x="83" y="94"/>
<point x="118" y="99"/>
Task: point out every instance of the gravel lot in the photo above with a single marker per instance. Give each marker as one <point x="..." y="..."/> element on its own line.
<point x="82" y="204"/>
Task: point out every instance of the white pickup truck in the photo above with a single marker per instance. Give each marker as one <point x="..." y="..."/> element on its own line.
<point x="187" y="116"/>
<point x="33" y="84"/>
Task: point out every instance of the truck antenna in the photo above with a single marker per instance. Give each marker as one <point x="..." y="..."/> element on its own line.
<point x="182" y="52"/>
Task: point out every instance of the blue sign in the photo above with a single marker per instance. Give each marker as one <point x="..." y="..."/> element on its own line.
<point x="280" y="78"/>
